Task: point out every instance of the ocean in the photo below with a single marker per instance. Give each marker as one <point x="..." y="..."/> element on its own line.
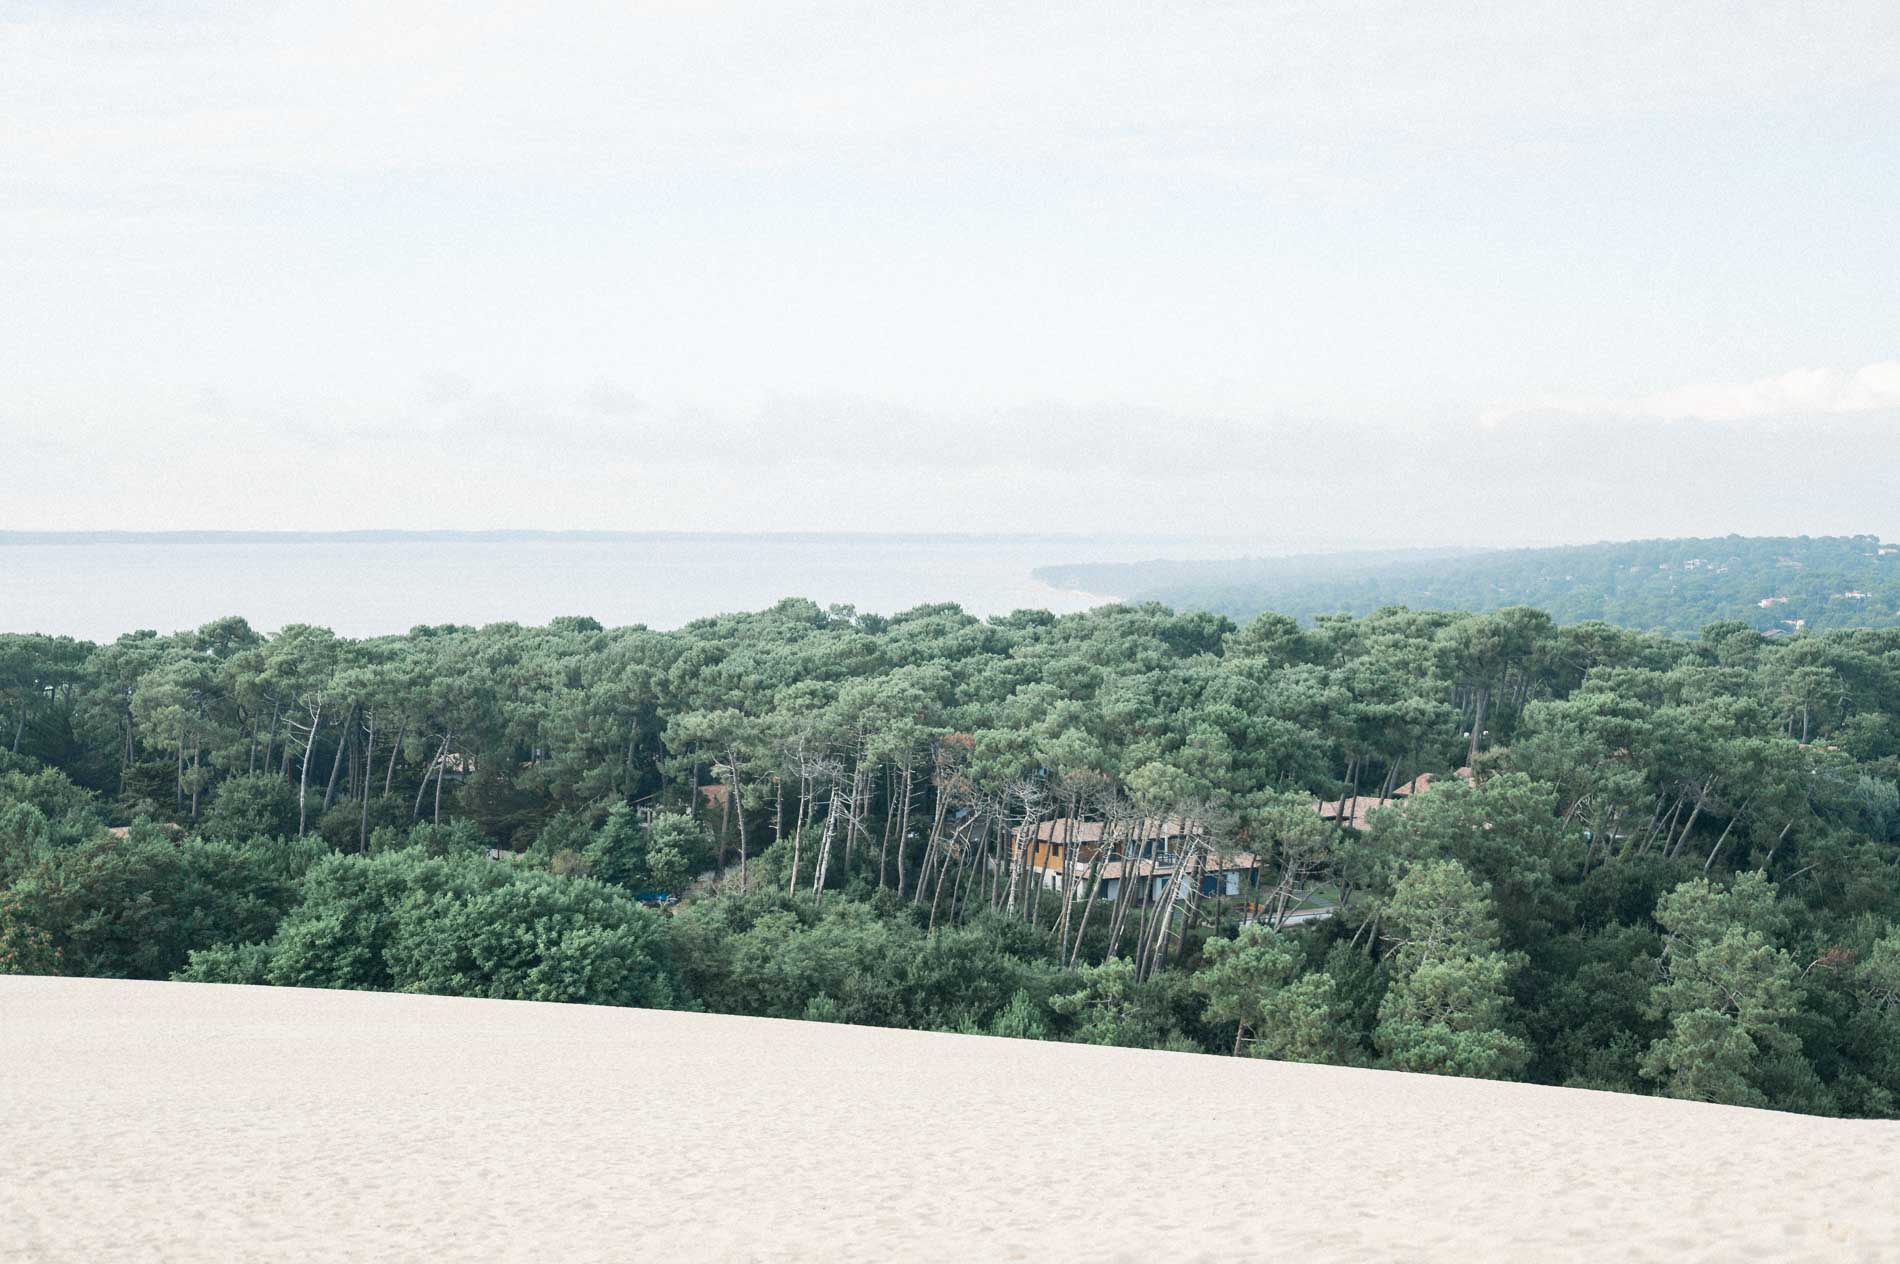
<point x="98" y="586"/>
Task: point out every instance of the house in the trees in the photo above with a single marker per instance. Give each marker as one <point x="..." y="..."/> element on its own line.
<point x="1067" y="850"/>
<point x="1354" y="810"/>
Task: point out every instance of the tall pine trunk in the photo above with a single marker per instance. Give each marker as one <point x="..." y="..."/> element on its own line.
<point x="303" y="773"/>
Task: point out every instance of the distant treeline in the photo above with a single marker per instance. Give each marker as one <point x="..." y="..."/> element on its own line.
<point x="1671" y="865"/>
<point x="1777" y="585"/>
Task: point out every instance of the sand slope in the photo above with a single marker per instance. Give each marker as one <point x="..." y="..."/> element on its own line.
<point x="181" y="1121"/>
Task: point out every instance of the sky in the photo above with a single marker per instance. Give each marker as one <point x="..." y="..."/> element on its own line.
<point x="1447" y="273"/>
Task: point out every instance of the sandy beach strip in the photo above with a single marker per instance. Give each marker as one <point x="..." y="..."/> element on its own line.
<point x="143" y="1121"/>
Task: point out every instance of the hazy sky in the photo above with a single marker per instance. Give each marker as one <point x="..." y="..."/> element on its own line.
<point x="1445" y="272"/>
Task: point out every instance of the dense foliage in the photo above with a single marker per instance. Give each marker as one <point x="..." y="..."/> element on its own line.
<point x="1673" y="867"/>
<point x="1673" y="586"/>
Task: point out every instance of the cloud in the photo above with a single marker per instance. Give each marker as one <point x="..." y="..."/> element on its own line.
<point x="604" y="453"/>
<point x="608" y="422"/>
<point x="839" y="263"/>
<point x="128" y="98"/>
<point x="1798" y="393"/>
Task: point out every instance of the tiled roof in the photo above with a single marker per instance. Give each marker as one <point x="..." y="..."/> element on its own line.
<point x="1060" y="830"/>
<point x="1351" y="811"/>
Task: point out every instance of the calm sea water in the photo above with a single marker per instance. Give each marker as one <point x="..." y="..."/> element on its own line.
<point x="97" y="590"/>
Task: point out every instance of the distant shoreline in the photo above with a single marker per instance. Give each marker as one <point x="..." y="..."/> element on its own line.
<point x="572" y="537"/>
<point x="98" y="585"/>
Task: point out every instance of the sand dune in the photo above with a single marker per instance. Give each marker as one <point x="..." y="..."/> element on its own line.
<point x="179" y="1121"/>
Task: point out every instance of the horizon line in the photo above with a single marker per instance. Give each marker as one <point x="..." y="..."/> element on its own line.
<point x="397" y="535"/>
<point x="381" y="534"/>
